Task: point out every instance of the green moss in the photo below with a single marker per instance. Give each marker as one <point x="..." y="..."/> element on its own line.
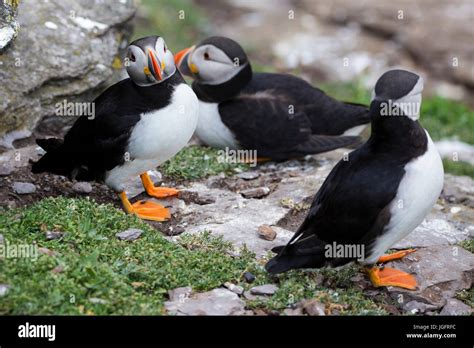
<point x="468" y="245"/>
<point x="196" y="162"/>
<point x="458" y="168"/>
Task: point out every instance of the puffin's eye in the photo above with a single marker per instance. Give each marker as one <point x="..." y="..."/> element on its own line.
<point x="206" y="56"/>
<point x="132" y="57"/>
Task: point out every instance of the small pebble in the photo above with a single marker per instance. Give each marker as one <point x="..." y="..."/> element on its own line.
<point x="50" y="235"/>
<point x="234" y="288"/>
<point x="249" y="277"/>
<point x="248" y="175"/>
<point x="82" y="187"/>
<point x="266" y="290"/>
<point x="130" y="234"/>
<point x="266" y="232"/>
<point x="455" y="210"/>
<point x="257" y="192"/>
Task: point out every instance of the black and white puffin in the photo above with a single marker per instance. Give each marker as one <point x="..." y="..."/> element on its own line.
<point x="379" y="195"/>
<point x="139" y="123"/>
<point x="281" y="116"/>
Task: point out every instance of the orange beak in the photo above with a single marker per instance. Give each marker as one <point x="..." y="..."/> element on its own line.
<point x="178" y="57"/>
<point x="153" y="65"/>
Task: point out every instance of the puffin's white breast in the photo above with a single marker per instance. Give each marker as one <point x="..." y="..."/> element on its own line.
<point x="158" y="136"/>
<point x="418" y="191"/>
<point x="211" y="130"/>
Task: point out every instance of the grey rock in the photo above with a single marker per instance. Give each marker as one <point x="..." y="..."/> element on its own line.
<point x="2" y="239"/>
<point x="180" y="294"/>
<point x="249" y="277"/>
<point x="234" y="288"/>
<point x="314" y="307"/>
<point x="257" y="192"/>
<point x="214" y="302"/>
<point x="415" y="307"/>
<point x="266" y="232"/>
<point x="82" y="187"/>
<point x="435" y="230"/>
<point x="251" y="297"/>
<point x="459" y="189"/>
<point x="51" y="235"/>
<point x="248" y="175"/>
<point x="130" y="234"/>
<point x="4" y="289"/>
<point x="455" y="307"/>
<point x="266" y="290"/>
<point x="6" y="169"/>
<point x="8" y="25"/>
<point x="440" y="271"/>
<point x="23" y="188"/>
<point x="61" y="34"/>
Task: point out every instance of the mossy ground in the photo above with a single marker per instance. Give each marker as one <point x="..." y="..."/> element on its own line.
<point x="90" y="271"/>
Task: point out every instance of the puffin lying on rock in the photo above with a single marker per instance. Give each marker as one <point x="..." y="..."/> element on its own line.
<point x="281" y="116"/>
<point x="139" y="123"/>
<point x="378" y="196"/>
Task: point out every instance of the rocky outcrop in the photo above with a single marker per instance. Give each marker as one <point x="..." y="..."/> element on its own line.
<point x="65" y="50"/>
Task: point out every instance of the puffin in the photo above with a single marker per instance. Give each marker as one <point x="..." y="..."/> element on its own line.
<point x="139" y="123"/>
<point x="376" y="197"/>
<point x="279" y="115"/>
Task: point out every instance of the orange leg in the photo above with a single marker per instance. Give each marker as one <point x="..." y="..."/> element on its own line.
<point x="145" y="209"/>
<point x="395" y="256"/>
<point x="391" y="277"/>
<point x="157" y="192"/>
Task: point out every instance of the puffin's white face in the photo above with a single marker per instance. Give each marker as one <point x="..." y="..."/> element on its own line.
<point x="149" y="61"/>
<point x="208" y="64"/>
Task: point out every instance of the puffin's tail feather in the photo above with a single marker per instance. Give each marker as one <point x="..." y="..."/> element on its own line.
<point x="53" y="161"/>
<point x="305" y="253"/>
<point x="49" y="144"/>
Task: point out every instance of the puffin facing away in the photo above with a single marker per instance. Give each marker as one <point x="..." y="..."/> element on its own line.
<point x="378" y="196"/>
<point x="281" y="116"/>
<point x="139" y="123"/>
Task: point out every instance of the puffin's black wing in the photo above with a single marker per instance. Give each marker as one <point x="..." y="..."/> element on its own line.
<point x="97" y="143"/>
<point x="328" y="116"/>
<point x="265" y="123"/>
<point x="351" y="207"/>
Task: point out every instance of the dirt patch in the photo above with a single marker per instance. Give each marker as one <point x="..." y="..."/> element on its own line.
<point x="295" y="217"/>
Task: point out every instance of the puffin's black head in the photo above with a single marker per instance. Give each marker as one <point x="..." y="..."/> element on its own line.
<point x="213" y="61"/>
<point x="149" y="61"/>
<point x="399" y="89"/>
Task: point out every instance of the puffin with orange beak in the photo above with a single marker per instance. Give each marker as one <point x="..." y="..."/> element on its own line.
<point x="139" y="123"/>
<point x="279" y="115"/>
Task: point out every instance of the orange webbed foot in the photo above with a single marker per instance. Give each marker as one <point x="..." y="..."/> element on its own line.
<point x="157" y="192"/>
<point x="391" y="277"/>
<point x="395" y="256"/>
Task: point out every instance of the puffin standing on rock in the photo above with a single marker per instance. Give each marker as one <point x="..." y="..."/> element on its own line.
<point x="378" y="196"/>
<point x="139" y="123"/>
<point x="280" y="116"/>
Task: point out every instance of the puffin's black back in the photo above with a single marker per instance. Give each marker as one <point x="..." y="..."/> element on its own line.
<point x="93" y="146"/>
